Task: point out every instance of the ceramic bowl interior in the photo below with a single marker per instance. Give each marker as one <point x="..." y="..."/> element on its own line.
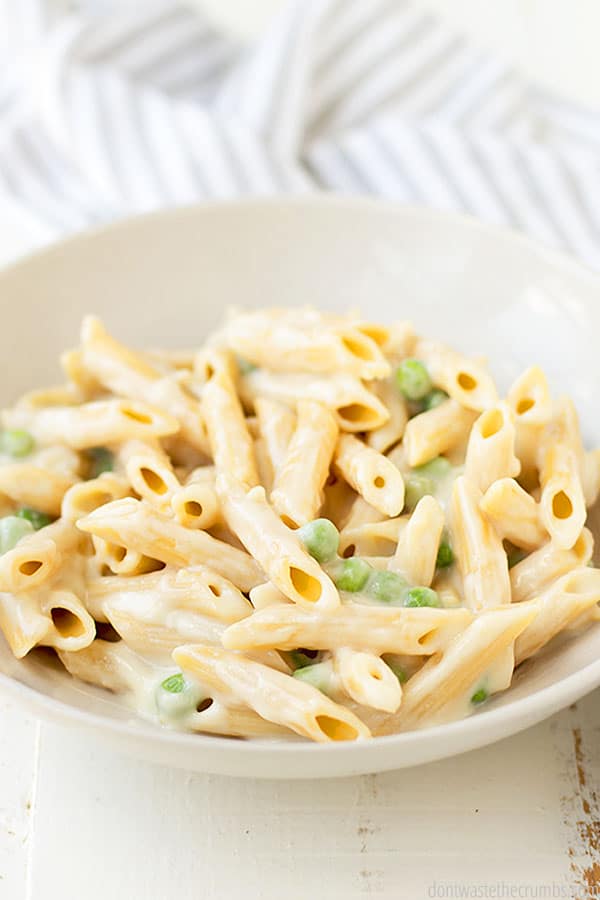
<point x="166" y="280"/>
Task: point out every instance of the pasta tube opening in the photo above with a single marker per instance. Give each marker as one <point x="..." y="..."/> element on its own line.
<point x="334" y="729"/>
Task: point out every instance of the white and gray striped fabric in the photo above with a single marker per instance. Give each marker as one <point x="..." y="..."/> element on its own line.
<point x="146" y="107"/>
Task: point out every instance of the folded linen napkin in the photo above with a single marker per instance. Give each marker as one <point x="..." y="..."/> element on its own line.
<point x="134" y="109"/>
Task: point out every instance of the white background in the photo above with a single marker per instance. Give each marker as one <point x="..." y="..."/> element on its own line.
<point x="80" y="822"/>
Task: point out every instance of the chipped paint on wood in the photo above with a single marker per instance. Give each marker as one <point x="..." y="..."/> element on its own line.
<point x="577" y="743"/>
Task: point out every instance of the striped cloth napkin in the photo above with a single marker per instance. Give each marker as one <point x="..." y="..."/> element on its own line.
<point x="146" y="107"/>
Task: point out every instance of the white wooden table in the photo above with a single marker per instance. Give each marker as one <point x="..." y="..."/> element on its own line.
<point x="518" y="819"/>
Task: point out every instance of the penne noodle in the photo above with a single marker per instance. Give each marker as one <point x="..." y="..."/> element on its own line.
<point x="236" y="721"/>
<point x="418" y="543"/>
<point x="84" y="497"/>
<point x="297" y="494"/>
<point x="231" y="444"/>
<point x="22" y="622"/>
<point x="378" y="629"/>
<point x="562" y="504"/>
<point x="274" y="546"/>
<point x="92" y="424"/>
<point x="197" y="588"/>
<point x="196" y="505"/>
<point x="530" y="576"/>
<point x="529" y="398"/>
<point x="436" y="431"/>
<point x="138" y="526"/>
<point x="514" y="514"/>
<point x="38" y="556"/>
<point x="82" y="382"/>
<point x="355" y="407"/>
<point x="367" y="679"/>
<point x="34" y="486"/>
<point x="450" y="678"/>
<point x="373" y="538"/>
<point x="73" y="628"/>
<point x="557" y="607"/>
<point x="381" y="439"/>
<point x="277" y="423"/>
<point x="267" y="594"/>
<point x="273" y="695"/>
<point x="478" y="548"/>
<point x="371" y="474"/>
<point x="121" y="560"/>
<point x="292" y="340"/>
<point x="491" y="448"/>
<point x="128" y="374"/>
<point x="149" y="472"/>
<point x="463" y="379"/>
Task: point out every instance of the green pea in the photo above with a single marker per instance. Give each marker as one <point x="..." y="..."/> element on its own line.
<point x="16" y="442"/>
<point x="12" y="529"/>
<point x="38" y="519"/>
<point x="174" y="684"/>
<point x="245" y="366"/>
<point x="353" y="575"/>
<point x="398" y="671"/>
<point x="480" y="696"/>
<point x="422" y="596"/>
<point x="177" y="697"/>
<point x="515" y="556"/>
<point x="432" y="399"/>
<point x="416" y="486"/>
<point x="321" y="538"/>
<point x="386" y="587"/>
<point x="318" y="676"/>
<point x="413" y="379"/>
<point x="299" y="659"/>
<point x="445" y="555"/>
<point x="436" y="468"/>
<point x="101" y="460"/>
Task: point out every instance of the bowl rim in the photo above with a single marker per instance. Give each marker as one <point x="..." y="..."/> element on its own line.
<point x="484" y="726"/>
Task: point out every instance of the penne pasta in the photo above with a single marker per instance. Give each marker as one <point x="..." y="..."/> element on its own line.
<point x="479" y="552"/>
<point x="37" y="557"/>
<point x="451" y="678"/>
<point x="274" y="696"/>
<point x="562" y="504"/>
<point x="514" y="514"/>
<point x="128" y="374"/>
<point x="277" y="423"/>
<point x="231" y="444"/>
<point x="196" y="505"/>
<point x="275" y="547"/>
<point x="367" y="679"/>
<point x="463" y="379"/>
<point x="291" y="340"/>
<point x="545" y="565"/>
<point x="388" y="434"/>
<point x="92" y="424"/>
<point x="31" y="485"/>
<point x="138" y="526"/>
<point x="417" y="548"/>
<point x="375" y="628"/>
<point x="557" y="607"/>
<point x="491" y="448"/>
<point x="355" y="407"/>
<point x="86" y="496"/>
<point x="297" y="494"/>
<point x="149" y="472"/>
<point x="437" y="431"/>
<point x="371" y="474"/>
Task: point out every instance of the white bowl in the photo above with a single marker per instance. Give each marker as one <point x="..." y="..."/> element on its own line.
<point x="167" y="278"/>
